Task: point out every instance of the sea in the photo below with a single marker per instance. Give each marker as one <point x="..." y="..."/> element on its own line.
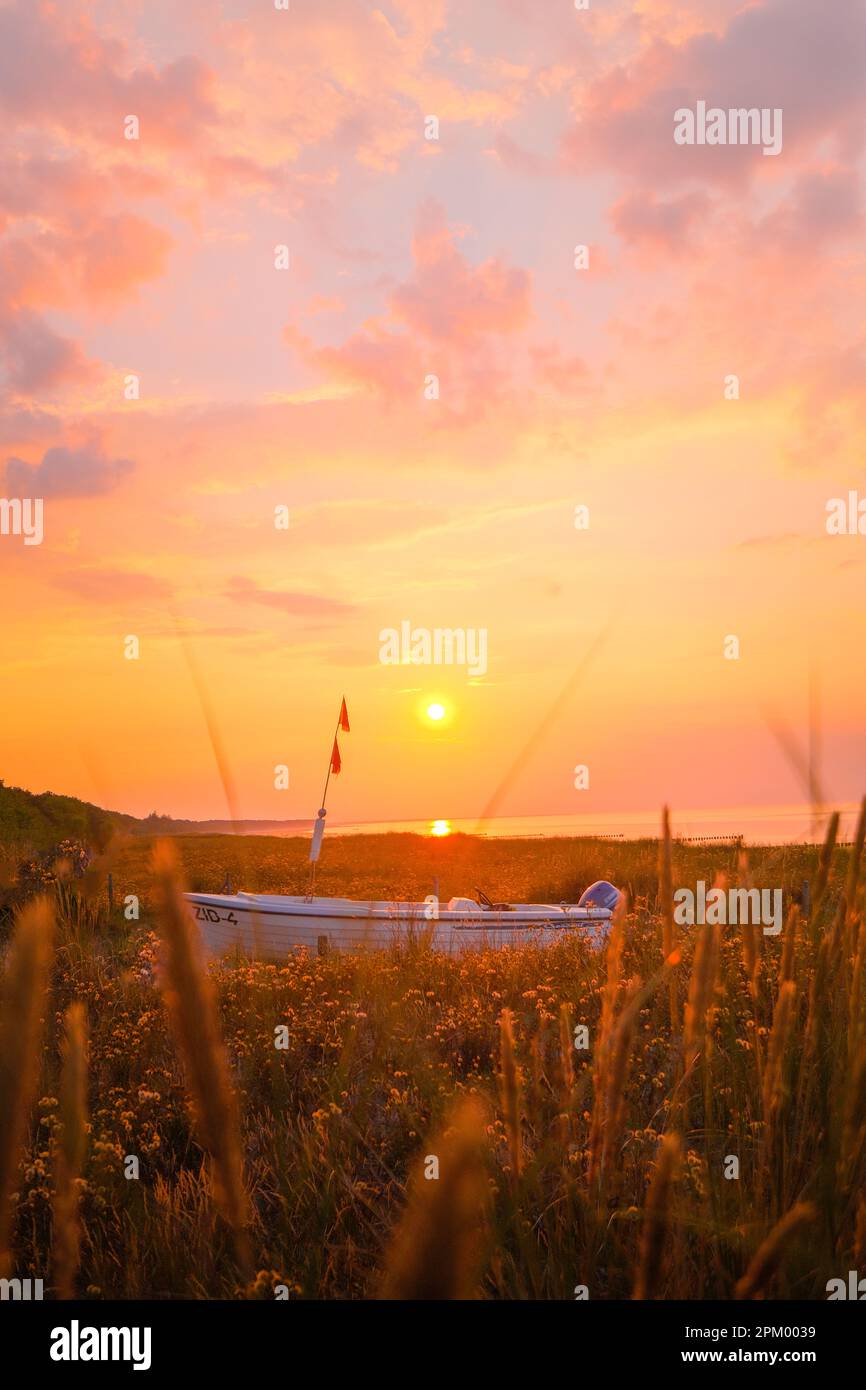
<point x="783" y="824"/>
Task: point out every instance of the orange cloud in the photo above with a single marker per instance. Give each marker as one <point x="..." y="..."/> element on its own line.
<point x="119" y="253"/>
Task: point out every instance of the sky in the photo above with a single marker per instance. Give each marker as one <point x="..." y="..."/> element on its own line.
<point x="334" y="279"/>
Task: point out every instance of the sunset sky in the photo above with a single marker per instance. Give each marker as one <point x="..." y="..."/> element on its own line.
<point x="304" y="387"/>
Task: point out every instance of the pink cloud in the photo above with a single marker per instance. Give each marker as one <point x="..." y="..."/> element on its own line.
<point x="375" y="357"/>
<point x="291" y="602"/>
<point x="33" y="357"/>
<point x="446" y="319"/>
<point x="645" y="220"/>
<point x="566" y="373"/>
<point x="824" y="205"/>
<point x="449" y="300"/>
<point x="518" y="160"/>
<point x="804" y="58"/>
<point x="55" y="68"/>
<point x="64" y="472"/>
<point x="113" y="585"/>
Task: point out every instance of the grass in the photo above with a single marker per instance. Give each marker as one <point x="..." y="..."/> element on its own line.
<point x="430" y="1129"/>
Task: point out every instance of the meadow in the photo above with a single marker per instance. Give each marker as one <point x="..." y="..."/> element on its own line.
<point x="682" y="1115"/>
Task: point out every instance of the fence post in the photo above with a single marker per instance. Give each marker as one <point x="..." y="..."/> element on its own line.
<point x="110" y="893"/>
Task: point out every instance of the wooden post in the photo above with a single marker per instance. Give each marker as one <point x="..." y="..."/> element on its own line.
<point x="322" y="945"/>
<point x="110" y="893"/>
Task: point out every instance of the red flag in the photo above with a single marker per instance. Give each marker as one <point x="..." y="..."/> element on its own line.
<point x="344" y="717"/>
<point x="335" y="759"/>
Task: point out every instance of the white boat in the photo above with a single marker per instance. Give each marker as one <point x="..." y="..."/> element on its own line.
<point x="268" y="926"/>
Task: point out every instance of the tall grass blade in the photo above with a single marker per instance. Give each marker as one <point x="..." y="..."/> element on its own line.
<point x="71" y="1150"/>
<point x="438" y="1248"/>
<point x="192" y="1012"/>
<point x="24" y="1002"/>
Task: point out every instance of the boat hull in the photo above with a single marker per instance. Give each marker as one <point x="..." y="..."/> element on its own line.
<point x="269" y="927"/>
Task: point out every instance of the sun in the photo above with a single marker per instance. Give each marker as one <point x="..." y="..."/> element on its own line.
<point x="440" y="827"/>
<point x="435" y="710"/>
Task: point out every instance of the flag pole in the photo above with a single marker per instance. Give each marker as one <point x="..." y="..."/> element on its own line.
<point x="331" y="759"/>
<point x="319" y="827"/>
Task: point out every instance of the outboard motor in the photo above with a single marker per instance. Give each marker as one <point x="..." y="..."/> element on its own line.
<point x="600" y="894"/>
